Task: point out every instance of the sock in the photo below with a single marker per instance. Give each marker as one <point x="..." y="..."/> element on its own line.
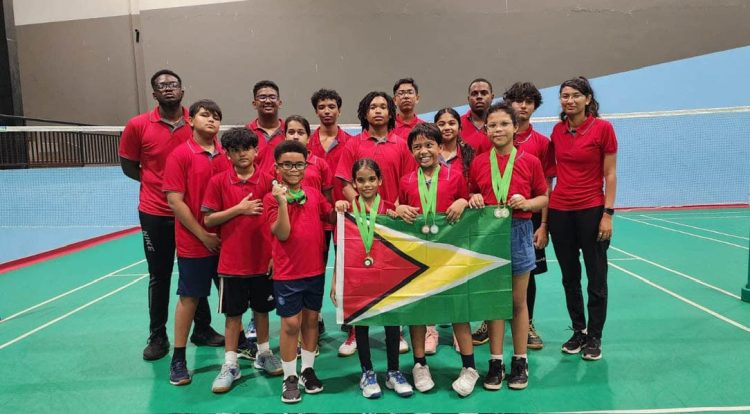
<point x="265" y="346"/>
<point x="308" y="359"/>
<point x="289" y="367"/>
<point x="230" y="358"/>
<point x="178" y="354"/>
<point x="468" y="361"/>
<point x="498" y="356"/>
<point x="420" y="360"/>
<point x="520" y="356"/>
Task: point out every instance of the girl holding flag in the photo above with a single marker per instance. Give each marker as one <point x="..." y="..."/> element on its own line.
<point x="493" y="176"/>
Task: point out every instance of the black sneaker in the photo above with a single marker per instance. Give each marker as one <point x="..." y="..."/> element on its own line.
<point x="575" y="343"/>
<point x="481" y="335"/>
<point x="592" y="350"/>
<point x="208" y="337"/>
<point x="178" y="373"/>
<point x="534" y="341"/>
<point x="157" y="348"/>
<point x="494" y="378"/>
<point x="519" y="374"/>
<point x="290" y="390"/>
<point x="310" y="381"/>
<point x="247" y="349"/>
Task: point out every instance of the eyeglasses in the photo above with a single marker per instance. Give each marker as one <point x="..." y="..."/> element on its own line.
<point x="269" y="98"/>
<point x="167" y="85"/>
<point x="406" y="92"/>
<point x="494" y="126"/>
<point x="575" y="96"/>
<point x="288" y="166"/>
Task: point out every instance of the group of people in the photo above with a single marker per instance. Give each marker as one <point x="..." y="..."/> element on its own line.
<point x="253" y="213"/>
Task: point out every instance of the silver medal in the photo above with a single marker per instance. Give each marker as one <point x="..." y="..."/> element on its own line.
<point x="425" y="229"/>
<point x="434" y="229"/>
<point x="504" y="212"/>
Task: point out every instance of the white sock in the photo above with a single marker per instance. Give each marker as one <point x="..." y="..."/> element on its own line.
<point x="519" y="356"/>
<point x="230" y="358"/>
<point x="265" y="346"/>
<point x="308" y="359"/>
<point x="289" y="367"/>
<point x="498" y="356"/>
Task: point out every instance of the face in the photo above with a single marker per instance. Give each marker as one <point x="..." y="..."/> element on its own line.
<point x="377" y="114"/>
<point x="295" y="131"/>
<point x="573" y="102"/>
<point x="267" y="102"/>
<point x="205" y="122"/>
<point x="367" y="183"/>
<point x="243" y="158"/>
<point x="406" y="97"/>
<point x="425" y="151"/>
<point x="500" y="129"/>
<point x="449" y="127"/>
<point x="328" y="111"/>
<point x="524" y="107"/>
<point x="168" y="91"/>
<point x="291" y="167"/>
<point x="480" y="97"/>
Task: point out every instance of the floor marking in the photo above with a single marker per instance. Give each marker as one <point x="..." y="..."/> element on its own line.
<point x="689" y="234"/>
<point x="684" y="299"/>
<point x="699" y="228"/>
<point x="700" y="217"/>
<point x="619" y="259"/>
<point x="78" y="309"/>
<point x="663" y="410"/>
<point x="62" y="295"/>
<point x="677" y="272"/>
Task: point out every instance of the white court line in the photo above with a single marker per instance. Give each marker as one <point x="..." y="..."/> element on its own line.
<point x="663" y="410"/>
<point x="621" y="259"/>
<point x="686" y="276"/>
<point x="698" y="228"/>
<point x="62" y="295"/>
<point x="698" y="217"/>
<point x="689" y="234"/>
<point x="684" y="299"/>
<point x="78" y="309"/>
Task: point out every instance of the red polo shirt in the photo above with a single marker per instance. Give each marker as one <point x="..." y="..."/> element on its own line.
<point x="476" y="137"/>
<point x="189" y="169"/>
<point x="580" y="163"/>
<point x="245" y="240"/>
<point x="149" y="140"/>
<point x="403" y="128"/>
<point x="332" y="154"/>
<point x="451" y="187"/>
<point x="266" y="144"/>
<point x="392" y="156"/>
<point x="537" y="145"/>
<point x="301" y="255"/>
<point x="527" y="180"/>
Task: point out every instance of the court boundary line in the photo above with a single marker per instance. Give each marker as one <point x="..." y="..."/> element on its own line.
<point x="74" y="311"/>
<point x="683" y="299"/>
<point x="697" y="228"/>
<point x="677" y="272"/>
<point x="695" y="217"/>
<point x="663" y="410"/>
<point x="684" y="232"/>
<point x="62" y="295"/>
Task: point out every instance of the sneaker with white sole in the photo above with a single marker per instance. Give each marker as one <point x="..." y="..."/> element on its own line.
<point x="349" y="347"/>
<point x="431" y="339"/>
<point x="422" y="378"/>
<point x="519" y="374"/>
<point x="534" y="341"/>
<point x="310" y="381"/>
<point x="247" y="349"/>
<point x="395" y="380"/>
<point x="575" y="343"/>
<point x="493" y="381"/>
<point x="269" y="363"/>
<point x="369" y="385"/>
<point x="228" y="375"/>
<point x="290" y="392"/>
<point x="592" y="350"/>
<point x="464" y="384"/>
<point x="403" y="346"/>
<point x="481" y="335"/>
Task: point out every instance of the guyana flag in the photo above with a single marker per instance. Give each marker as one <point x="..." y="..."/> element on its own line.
<point x="460" y="274"/>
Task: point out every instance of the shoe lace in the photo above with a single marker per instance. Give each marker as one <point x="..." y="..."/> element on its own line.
<point x="398" y="377"/>
<point x="290" y="383"/>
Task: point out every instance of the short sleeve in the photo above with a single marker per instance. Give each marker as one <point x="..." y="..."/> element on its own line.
<point x="348" y="156"/>
<point x="175" y="173"/>
<point x="130" y="142"/>
<point x="608" y="138"/>
<point x="270" y="208"/>
<point x="212" y="200"/>
<point x="326" y="175"/>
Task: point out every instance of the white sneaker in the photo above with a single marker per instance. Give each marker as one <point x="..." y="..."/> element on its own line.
<point x="349" y="347"/>
<point x="369" y="385"/>
<point x="422" y="377"/>
<point x="403" y="347"/>
<point x="431" y="339"/>
<point x="464" y="384"/>
<point x="396" y="381"/>
<point x="228" y="375"/>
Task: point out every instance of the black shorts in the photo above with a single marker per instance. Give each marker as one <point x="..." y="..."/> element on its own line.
<point x="541" y="256"/>
<point x="236" y="293"/>
<point x="196" y="275"/>
<point x="293" y="295"/>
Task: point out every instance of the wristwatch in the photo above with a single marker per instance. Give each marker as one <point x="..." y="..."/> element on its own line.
<point x="609" y="211"/>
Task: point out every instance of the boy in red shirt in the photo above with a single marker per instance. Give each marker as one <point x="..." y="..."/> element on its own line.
<point x="472" y="123"/>
<point x="406" y="98"/>
<point x="267" y="126"/>
<point x="295" y="213"/>
<point x="187" y="173"/>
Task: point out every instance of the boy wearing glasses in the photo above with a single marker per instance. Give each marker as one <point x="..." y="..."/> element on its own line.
<point x="267" y="126"/>
<point x="295" y="213"/>
<point x="406" y="98"/>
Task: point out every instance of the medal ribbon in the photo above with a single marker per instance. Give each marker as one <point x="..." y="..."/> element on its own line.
<point x="295" y="196"/>
<point x="366" y="228"/>
<point x="500" y="182"/>
<point x="428" y="196"/>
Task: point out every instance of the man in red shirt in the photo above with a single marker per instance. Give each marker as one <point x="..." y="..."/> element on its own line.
<point x="267" y="126"/>
<point x="406" y="98"/>
<point x="472" y="123"/>
<point x="144" y="146"/>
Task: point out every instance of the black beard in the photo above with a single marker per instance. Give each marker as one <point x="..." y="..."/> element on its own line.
<point x="170" y="105"/>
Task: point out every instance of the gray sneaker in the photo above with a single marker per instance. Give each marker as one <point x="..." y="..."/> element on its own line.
<point x="228" y="375"/>
<point x="269" y="363"/>
<point x="290" y="392"/>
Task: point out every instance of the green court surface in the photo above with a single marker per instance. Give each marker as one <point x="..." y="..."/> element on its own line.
<point x="677" y="336"/>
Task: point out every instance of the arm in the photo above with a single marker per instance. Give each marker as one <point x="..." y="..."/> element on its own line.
<point x="132" y="169"/>
<point x="610" y="189"/>
<point x="182" y="212"/>
<point x="541" y="235"/>
<point x="281" y="227"/>
<point x="244" y="207"/>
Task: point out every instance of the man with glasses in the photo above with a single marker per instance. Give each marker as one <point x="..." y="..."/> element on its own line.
<point x="472" y="122"/>
<point x="406" y="98"/>
<point x="267" y="126"/>
<point x="144" y="146"/>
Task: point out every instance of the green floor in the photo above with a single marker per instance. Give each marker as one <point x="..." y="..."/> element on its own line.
<point x="676" y="336"/>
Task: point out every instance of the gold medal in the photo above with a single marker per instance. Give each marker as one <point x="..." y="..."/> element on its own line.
<point x="369" y="261"/>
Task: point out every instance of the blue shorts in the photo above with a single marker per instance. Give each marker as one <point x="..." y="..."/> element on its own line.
<point x="522" y="254"/>
<point x="293" y="295"/>
<point x="196" y="275"/>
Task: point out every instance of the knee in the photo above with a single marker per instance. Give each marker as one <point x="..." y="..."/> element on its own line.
<point x="290" y="326"/>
